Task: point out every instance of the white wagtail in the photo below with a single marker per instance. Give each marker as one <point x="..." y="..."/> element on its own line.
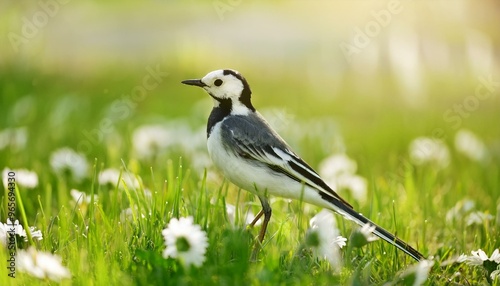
<point x="255" y="158"/>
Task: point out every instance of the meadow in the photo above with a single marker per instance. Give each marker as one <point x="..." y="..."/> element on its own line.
<point x="104" y="158"/>
<point x="100" y="247"/>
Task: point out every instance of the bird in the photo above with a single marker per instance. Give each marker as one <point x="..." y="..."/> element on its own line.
<point x="254" y="157"/>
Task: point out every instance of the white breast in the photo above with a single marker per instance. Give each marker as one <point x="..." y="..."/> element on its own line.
<point x="256" y="179"/>
<point x="235" y="169"/>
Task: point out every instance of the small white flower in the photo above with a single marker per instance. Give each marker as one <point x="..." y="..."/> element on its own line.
<point x="26" y="178"/>
<point x="340" y="241"/>
<point x="185" y="241"/>
<point x="338" y="171"/>
<point x="460" y="209"/>
<point x="477" y="258"/>
<point x="324" y="239"/>
<point x="23" y="177"/>
<point x="16" y="138"/>
<point x="357" y="185"/>
<point x="16" y="228"/>
<point x="337" y="165"/>
<point x="151" y="140"/>
<point x="200" y="161"/>
<point x="66" y="160"/>
<point x="42" y="264"/>
<point x="35" y="234"/>
<point x="111" y="176"/>
<point x="424" y="150"/>
<point x="462" y="258"/>
<point x="363" y="235"/>
<point x="418" y="273"/>
<point x="81" y="198"/>
<point x="470" y="145"/>
<point x="478" y="218"/>
<point x="154" y="140"/>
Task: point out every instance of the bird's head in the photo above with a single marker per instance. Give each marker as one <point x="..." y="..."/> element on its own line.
<point x="226" y="87"/>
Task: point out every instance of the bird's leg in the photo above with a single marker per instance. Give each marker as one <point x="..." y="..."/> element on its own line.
<point x="266" y="211"/>
<point x="257" y="217"/>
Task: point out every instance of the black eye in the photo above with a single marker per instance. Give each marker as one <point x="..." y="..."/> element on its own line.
<point x="218" y="82"/>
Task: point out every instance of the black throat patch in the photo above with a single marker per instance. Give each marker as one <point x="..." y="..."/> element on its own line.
<point x="218" y="114"/>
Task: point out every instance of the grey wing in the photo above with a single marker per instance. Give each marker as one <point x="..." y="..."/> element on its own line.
<point x="253" y="139"/>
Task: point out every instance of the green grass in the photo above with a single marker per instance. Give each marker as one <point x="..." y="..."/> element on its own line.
<point x="99" y="248"/>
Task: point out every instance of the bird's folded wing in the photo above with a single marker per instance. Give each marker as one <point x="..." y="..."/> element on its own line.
<point x="261" y="144"/>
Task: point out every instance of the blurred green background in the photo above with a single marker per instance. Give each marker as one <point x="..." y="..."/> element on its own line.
<point x="68" y="61"/>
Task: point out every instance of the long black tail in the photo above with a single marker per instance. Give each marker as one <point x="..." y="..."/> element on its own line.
<point x="351" y="214"/>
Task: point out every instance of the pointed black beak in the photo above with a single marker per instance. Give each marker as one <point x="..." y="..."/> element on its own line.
<point x="195" y="82"/>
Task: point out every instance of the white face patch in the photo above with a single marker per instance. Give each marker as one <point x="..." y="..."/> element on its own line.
<point x="223" y="86"/>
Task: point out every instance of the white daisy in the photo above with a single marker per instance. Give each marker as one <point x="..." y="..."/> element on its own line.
<point x="357" y="185"/>
<point x="81" y="198"/>
<point x="185" y="241"/>
<point x="340" y="241"/>
<point x="16" y="138"/>
<point x="418" y="273"/>
<point x="41" y="264"/>
<point x="477" y="257"/>
<point x="23" y="177"/>
<point x="324" y="239"/>
<point x="15" y="227"/>
<point x="336" y="165"/>
<point x="362" y="236"/>
<point x="480" y="258"/>
<point x="339" y="172"/>
<point x="110" y="176"/>
<point x="200" y="161"/>
<point x="462" y="258"/>
<point x="425" y="150"/>
<point x="460" y="209"/>
<point x="469" y="145"/>
<point x="152" y="140"/>
<point x="66" y="160"/>
<point x="478" y="218"/>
